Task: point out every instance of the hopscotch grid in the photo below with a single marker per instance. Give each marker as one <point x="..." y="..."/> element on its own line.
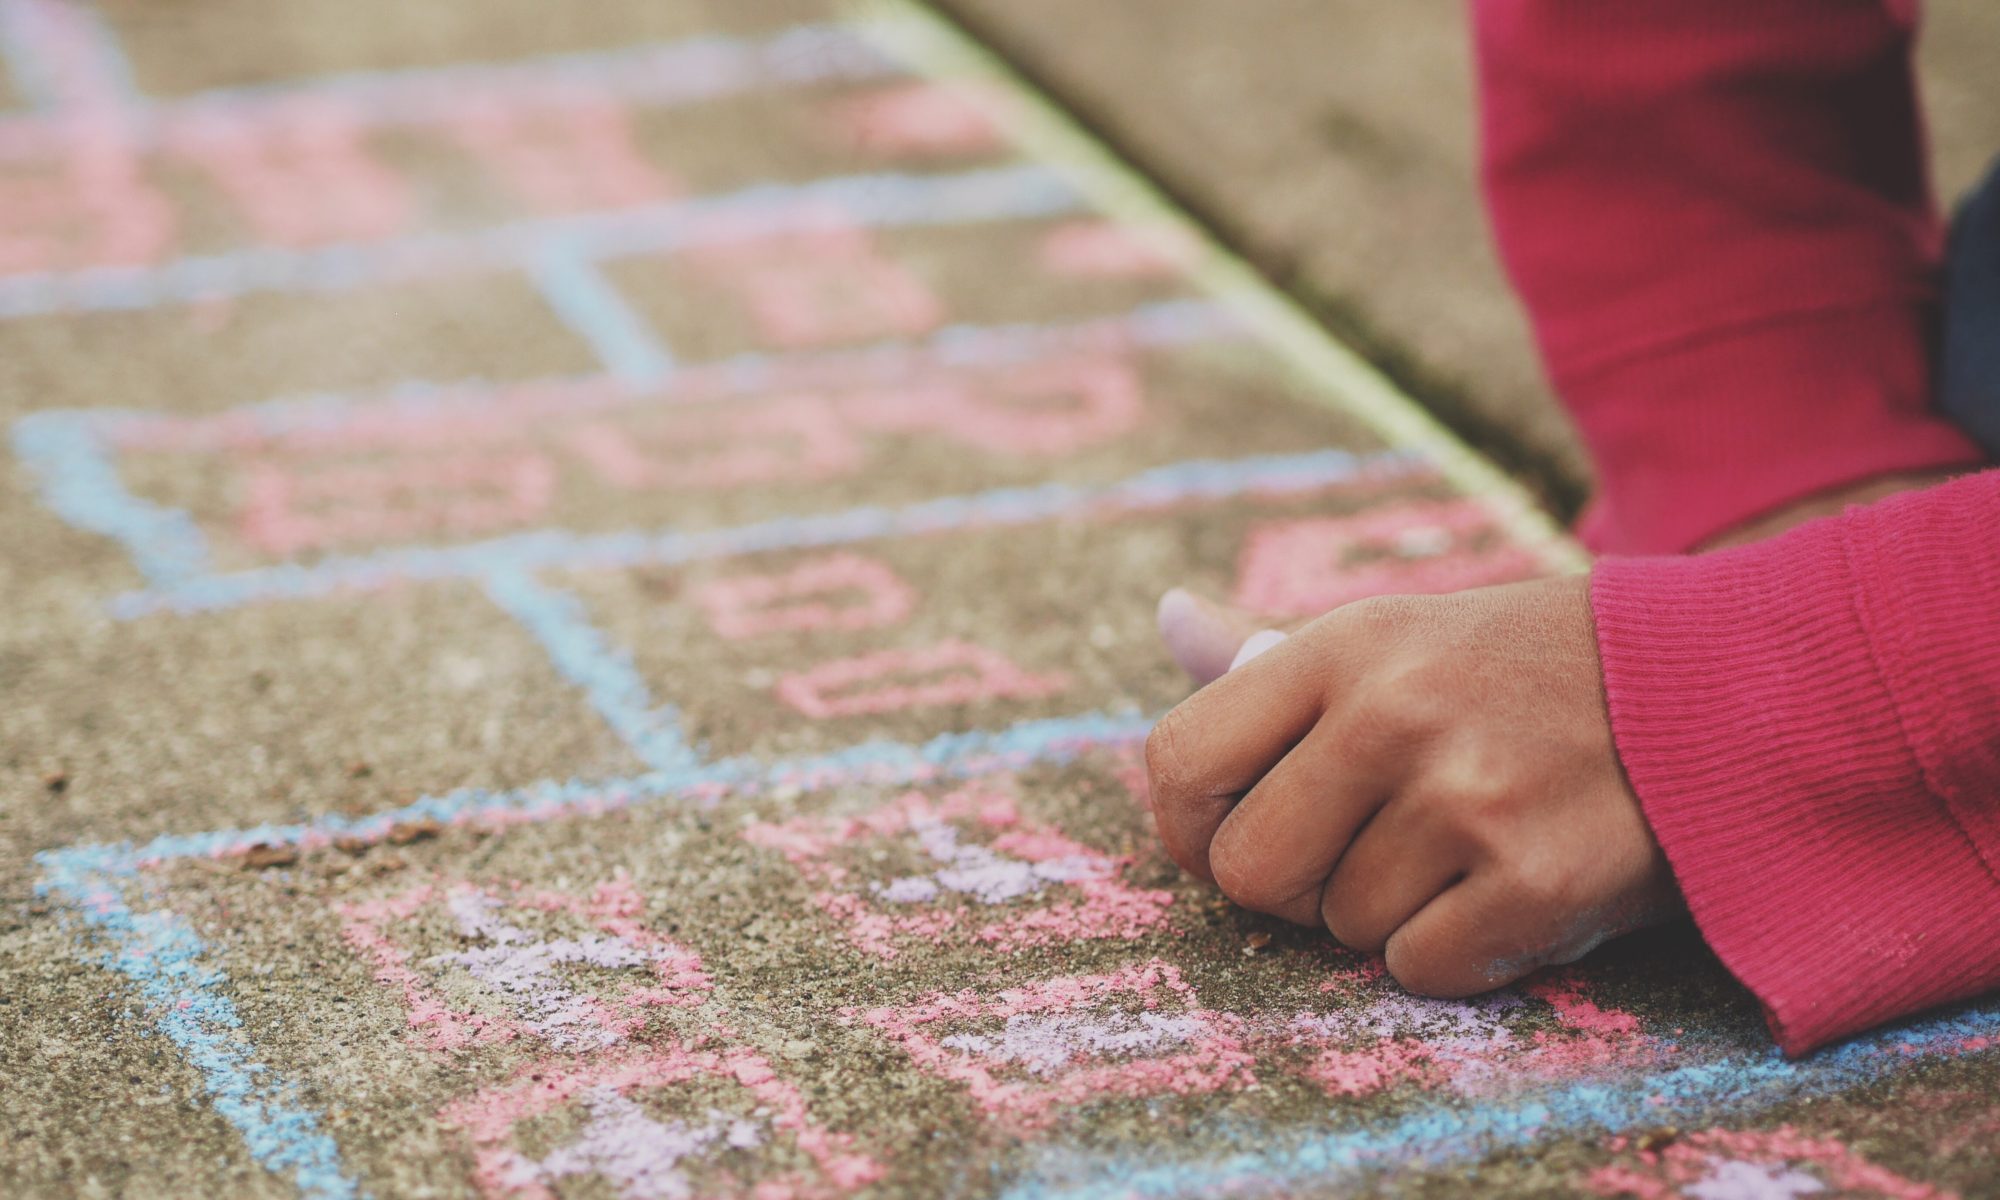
<point x="161" y="953"/>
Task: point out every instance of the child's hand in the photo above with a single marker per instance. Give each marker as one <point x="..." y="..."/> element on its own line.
<point x="1430" y="777"/>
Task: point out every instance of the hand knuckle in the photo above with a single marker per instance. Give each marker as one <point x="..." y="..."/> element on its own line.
<point x="1541" y="886"/>
<point x="1382" y="614"/>
<point x="1399" y="704"/>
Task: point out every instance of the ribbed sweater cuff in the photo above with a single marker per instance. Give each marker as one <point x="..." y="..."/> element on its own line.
<point x="1695" y="437"/>
<point x="1800" y="720"/>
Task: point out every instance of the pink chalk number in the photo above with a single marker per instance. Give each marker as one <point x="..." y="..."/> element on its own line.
<point x="292" y="505"/>
<point x="836" y="592"/>
<point x="794" y="439"/>
<point x="580" y="155"/>
<point x="823" y="285"/>
<point x="1306" y="566"/>
<point x="950" y="672"/>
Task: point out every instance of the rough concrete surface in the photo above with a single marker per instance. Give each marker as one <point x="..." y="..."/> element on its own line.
<point x="577" y="604"/>
<point x="1332" y="141"/>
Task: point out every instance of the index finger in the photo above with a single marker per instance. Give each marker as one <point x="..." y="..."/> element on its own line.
<point x="1217" y="743"/>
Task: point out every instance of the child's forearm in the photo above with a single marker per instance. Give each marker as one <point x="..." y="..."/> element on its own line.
<point x="1809" y="725"/>
<point x="1718" y="216"/>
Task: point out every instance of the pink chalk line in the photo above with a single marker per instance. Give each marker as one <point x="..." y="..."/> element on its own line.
<point x="645" y="1158"/>
<point x="1021" y="861"/>
<point x="516" y="972"/>
<point x="844" y="592"/>
<point x="1028" y="1053"/>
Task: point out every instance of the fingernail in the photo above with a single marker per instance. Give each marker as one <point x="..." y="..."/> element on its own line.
<point x="1254" y="645"/>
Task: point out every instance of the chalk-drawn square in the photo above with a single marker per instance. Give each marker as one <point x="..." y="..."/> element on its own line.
<point x="668" y="1120"/>
<point x="516" y="962"/>
<point x="833" y="592"/>
<point x="985" y="876"/>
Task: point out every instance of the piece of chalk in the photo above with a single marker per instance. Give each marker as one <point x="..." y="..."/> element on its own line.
<point x="1254" y="645"/>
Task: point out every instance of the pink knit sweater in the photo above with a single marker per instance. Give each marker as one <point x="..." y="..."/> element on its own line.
<point x="1719" y="216"/>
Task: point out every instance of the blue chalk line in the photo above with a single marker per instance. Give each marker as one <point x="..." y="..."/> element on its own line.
<point x="580" y="652"/>
<point x="162" y="955"/>
<point x="1457" y="1132"/>
<point x="650" y="74"/>
<point x="80" y="482"/>
<point x="591" y="307"/>
<point x="874" y="200"/>
<point x="1160" y="487"/>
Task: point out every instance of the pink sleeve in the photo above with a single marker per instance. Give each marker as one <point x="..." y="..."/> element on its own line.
<point x="1719" y="217"/>
<point x="1812" y="725"/>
